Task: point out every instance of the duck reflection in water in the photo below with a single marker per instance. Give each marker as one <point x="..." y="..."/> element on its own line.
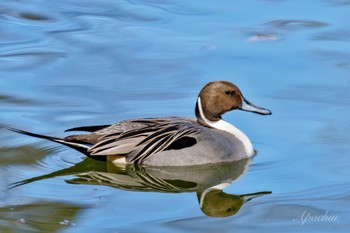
<point x="208" y="181"/>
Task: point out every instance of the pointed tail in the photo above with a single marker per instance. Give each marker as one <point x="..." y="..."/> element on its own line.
<point x="77" y="146"/>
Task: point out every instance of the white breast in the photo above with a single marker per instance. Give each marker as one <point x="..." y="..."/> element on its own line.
<point x="225" y="126"/>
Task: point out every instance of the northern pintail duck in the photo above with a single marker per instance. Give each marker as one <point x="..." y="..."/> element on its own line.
<point x="171" y="141"/>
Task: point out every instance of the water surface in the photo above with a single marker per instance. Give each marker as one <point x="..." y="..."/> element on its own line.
<point x="70" y="63"/>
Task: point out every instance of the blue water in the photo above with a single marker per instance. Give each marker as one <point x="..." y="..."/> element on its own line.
<point x="71" y="63"/>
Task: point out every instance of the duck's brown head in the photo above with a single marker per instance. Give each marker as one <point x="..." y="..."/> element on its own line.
<point x="219" y="97"/>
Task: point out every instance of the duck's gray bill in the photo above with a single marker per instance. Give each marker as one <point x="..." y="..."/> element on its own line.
<point x="249" y="107"/>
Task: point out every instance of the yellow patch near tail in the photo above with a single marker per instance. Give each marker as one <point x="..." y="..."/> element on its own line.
<point x="117" y="159"/>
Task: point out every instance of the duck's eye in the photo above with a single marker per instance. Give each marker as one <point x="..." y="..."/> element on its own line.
<point x="230" y="92"/>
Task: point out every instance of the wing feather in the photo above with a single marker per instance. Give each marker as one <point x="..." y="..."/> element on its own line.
<point x="140" y="144"/>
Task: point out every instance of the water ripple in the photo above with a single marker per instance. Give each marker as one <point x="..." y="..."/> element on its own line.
<point x="339" y="2"/>
<point x="334" y="35"/>
<point x="38" y="216"/>
<point x="27" y="59"/>
<point x="294" y="24"/>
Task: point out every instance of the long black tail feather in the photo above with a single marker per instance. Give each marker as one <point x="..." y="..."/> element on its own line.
<point x="55" y="139"/>
<point x="83" y="148"/>
<point x="87" y="128"/>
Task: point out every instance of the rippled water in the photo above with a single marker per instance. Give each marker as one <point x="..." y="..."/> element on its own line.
<point x="72" y="63"/>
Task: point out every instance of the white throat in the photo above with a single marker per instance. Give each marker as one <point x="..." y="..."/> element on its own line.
<point x="225" y="126"/>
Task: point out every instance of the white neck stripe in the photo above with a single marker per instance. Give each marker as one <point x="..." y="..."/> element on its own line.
<point x="207" y="121"/>
<point x="216" y="187"/>
<point x="225" y="126"/>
